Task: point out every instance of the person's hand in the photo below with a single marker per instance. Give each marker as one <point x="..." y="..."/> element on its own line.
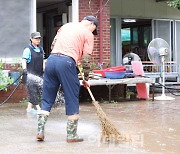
<point x="24" y="71"/>
<point x="24" y="76"/>
<point x="85" y="84"/>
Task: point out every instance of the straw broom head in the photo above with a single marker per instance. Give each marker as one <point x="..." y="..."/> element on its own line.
<point x="109" y="131"/>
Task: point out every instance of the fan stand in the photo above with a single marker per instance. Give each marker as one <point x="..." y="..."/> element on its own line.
<point x="163" y="97"/>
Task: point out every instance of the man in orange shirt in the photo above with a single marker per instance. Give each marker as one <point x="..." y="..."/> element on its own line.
<point x="73" y="42"/>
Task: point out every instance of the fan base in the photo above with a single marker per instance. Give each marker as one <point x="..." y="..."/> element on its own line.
<point x="164" y="98"/>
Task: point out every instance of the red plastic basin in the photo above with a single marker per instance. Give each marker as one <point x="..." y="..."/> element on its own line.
<point x="116" y="69"/>
<point x="101" y="72"/>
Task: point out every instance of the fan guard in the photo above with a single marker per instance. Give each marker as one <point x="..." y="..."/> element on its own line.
<point x="158" y="53"/>
<point x="157" y="48"/>
<point x="130" y="57"/>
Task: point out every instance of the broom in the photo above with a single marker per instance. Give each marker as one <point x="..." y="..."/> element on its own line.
<point x="109" y="131"/>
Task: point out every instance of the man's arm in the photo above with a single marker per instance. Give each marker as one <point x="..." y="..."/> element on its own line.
<point x="24" y="73"/>
<point x="86" y="66"/>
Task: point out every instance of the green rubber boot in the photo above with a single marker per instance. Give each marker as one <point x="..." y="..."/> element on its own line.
<point x="42" y="118"/>
<point x="72" y="131"/>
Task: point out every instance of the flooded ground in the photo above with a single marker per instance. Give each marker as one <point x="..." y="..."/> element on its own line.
<point x="153" y="126"/>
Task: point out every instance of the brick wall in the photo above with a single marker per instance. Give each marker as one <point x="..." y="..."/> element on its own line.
<point x="84" y="10"/>
<point x="20" y="92"/>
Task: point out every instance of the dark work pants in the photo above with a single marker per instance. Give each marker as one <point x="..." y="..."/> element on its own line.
<point x="61" y="70"/>
<point x="34" y="91"/>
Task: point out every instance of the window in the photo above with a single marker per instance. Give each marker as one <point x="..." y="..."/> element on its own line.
<point x="126" y="36"/>
<point x="136" y="37"/>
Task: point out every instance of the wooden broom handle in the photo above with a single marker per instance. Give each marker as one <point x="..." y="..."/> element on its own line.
<point x="89" y="90"/>
<point x="90" y="93"/>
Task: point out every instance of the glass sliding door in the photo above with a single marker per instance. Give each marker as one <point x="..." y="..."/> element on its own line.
<point x="163" y="29"/>
<point x="135" y="37"/>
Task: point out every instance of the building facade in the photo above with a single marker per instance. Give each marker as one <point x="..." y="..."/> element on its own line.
<point x="152" y="19"/>
<point x="116" y="35"/>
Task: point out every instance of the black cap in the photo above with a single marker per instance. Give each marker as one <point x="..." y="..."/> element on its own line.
<point x="94" y="20"/>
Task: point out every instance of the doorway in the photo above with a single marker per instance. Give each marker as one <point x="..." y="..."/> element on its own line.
<point x="129" y="36"/>
<point x="135" y="37"/>
<point x="51" y="15"/>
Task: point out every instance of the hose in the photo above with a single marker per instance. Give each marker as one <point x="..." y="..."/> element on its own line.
<point x="170" y="90"/>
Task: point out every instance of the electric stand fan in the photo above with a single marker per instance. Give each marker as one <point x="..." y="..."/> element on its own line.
<point x="158" y="53"/>
<point x="130" y="57"/>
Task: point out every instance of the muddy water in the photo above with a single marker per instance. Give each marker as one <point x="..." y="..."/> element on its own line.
<point x="153" y="126"/>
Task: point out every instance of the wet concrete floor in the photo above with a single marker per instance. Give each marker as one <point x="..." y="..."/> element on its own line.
<point x="153" y="126"/>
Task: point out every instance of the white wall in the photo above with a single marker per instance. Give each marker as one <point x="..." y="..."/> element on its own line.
<point x="14" y="27"/>
<point x="75" y="10"/>
<point x="143" y="9"/>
